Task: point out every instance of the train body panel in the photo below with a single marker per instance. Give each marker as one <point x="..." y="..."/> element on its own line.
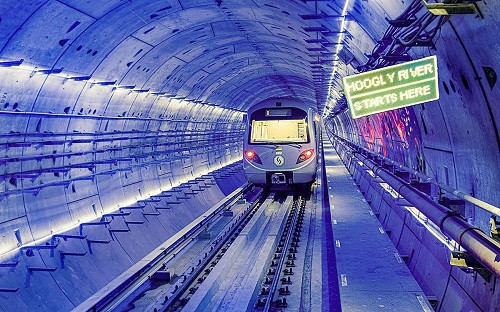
<point x="281" y="145"/>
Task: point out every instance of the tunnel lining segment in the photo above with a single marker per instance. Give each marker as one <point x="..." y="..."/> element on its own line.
<point x="483" y="91"/>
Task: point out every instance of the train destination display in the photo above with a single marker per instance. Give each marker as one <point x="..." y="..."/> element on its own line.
<point x="392" y="87"/>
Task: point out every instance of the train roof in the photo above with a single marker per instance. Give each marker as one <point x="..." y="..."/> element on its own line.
<point x="279" y="102"/>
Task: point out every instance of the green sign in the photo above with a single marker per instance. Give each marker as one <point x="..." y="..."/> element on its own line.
<point x="392" y="87"/>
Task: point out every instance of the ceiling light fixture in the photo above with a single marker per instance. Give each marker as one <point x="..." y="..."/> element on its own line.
<point x="339" y="45"/>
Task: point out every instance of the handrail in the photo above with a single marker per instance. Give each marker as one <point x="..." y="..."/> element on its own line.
<point x="474" y="240"/>
<point x="223" y="139"/>
<point x="459" y="194"/>
<point x="66" y="182"/>
<point x="159" y="133"/>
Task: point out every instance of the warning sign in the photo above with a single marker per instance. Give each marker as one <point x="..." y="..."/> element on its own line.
<point x="392" y="87"/>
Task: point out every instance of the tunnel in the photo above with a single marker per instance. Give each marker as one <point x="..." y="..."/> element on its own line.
<point x="122" y="132"/>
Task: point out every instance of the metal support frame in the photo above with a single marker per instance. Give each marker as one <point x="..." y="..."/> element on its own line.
<point x="451" y="8"/>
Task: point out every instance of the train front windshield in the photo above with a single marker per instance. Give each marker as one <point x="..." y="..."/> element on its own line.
<point x="279" y="125"/>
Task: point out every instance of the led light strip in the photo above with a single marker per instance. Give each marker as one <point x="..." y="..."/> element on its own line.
<point x="21" y="65"/>
<point x="337" y="50"/>
<point x="6" y="252"/>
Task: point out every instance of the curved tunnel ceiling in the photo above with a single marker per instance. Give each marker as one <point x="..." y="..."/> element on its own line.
<point x="223" y="53"/>
<point x="197" y="50"/>
<point x="107" y="103"/>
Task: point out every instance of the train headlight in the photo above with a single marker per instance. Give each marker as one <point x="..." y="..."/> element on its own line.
<point x="252" y="156"/>
<point x="305" y="155"/>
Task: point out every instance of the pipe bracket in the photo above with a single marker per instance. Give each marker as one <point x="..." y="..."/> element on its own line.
<point x="407" y="184"/>
<point x="466" y="230"/>
<point x="448" y="215"/>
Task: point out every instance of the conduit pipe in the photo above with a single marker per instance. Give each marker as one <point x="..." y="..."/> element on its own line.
<point x="480" y="246"/>
<point x="477" y="202"/>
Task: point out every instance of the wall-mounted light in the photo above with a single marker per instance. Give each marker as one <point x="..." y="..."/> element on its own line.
<point x="11" y="63"/>
<point x="79" y="78"/>
<point x="104" y="83"/>
<point x="49" y="71"/>
<point x="125" y="87"/>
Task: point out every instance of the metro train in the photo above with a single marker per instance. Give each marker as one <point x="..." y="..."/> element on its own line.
<point x="281" y="143"/>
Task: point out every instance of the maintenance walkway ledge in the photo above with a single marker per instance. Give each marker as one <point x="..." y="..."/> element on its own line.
<point x="371" y="274"/>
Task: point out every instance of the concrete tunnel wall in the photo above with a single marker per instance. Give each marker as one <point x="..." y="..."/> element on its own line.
<point x="51" y="121"/>
<point x="454" y="139"/>
<point x="91" y="256"/>
<point x="125" y="99"/>
<point x="97" y="162"/>
<point x="116" y="101"/>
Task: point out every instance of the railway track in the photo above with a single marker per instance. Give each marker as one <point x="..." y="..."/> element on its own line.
<point x="253" y="260"/>
<point x="231" y="284"/>
<point x="255" y="267"/>
<point x="275" y="286"/>
<point x="139" y="279"/>
<point x="182" y="292"/>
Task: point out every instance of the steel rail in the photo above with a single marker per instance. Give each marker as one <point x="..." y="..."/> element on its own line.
<point x="286" y="245"/>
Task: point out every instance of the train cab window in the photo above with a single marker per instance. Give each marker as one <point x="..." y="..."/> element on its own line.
<point x="287" y="125"/>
